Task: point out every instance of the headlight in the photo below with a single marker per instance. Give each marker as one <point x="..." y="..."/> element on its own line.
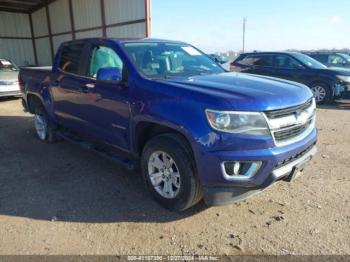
<point x="344" y="78"/>
<point x="245" y="123"/>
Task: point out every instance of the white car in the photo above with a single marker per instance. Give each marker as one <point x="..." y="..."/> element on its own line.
<point x="8" y="79"/>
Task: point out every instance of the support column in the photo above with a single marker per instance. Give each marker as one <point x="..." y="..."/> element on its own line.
<point x="50" y="31"/>
<point x="71" y="15"/>
<point x="148" y="17"/>
<point x="103" y="18"/>
<point x="33" y="39"/>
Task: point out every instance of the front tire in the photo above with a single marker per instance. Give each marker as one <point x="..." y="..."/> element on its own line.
<point x="169" y="172"/>
<point x="322" y="93"/>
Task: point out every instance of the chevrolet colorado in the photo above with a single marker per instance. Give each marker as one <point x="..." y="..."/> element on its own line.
<point x="195" y="130"/>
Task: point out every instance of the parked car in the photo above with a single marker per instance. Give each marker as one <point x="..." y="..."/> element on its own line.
<point x="196" y="130"/>
<point x="331" y="59"/>
<point x="8" y="79"/>
<point x="325" y="83"/>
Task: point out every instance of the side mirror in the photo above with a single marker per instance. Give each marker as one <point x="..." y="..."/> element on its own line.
<point x="110" y="74"/>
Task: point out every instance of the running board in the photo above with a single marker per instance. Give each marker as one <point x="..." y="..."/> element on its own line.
<point x="109" y="154"/>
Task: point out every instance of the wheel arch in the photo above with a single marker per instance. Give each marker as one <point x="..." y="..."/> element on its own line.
<point x="145" y="130"/>
<point x="33" y="102"/>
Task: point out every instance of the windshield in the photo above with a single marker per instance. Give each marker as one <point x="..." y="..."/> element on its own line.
<point x="310" y="62"/>
<point x="7" y="66"/>
<point x="347" y="57"/>
<point x="163" y="60"/>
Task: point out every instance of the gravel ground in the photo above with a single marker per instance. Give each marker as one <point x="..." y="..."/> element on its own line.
<point x="61" y="199"/>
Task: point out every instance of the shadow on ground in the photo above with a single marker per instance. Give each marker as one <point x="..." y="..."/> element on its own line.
<point x="65" y="182"/>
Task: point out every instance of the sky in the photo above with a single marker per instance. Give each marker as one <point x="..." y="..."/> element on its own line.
<point x="216" y="25"/>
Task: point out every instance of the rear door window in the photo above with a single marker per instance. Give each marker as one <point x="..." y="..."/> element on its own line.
<point x="284" y="61"/>
<point x="71" y="58"/>
<point x="247" y="61"/>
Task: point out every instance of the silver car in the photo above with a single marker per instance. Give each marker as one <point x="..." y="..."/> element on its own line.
<point x="8" y="79"/>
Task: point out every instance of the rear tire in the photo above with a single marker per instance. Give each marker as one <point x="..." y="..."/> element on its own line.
<point x="45" y="129"/>
<point x="322" y="93"/>
<point x="169" y="172"/>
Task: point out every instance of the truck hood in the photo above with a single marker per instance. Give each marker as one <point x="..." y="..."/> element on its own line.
<point x="248" y="92"/>
<point x="9" y="76"/>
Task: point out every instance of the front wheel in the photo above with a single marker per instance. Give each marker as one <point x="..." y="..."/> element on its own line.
<point x="169" y="172"/>
<point x="322" y="93"/>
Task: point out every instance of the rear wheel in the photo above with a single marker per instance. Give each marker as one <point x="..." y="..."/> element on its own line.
<point x="44" y="128"/>
<point x="169" y="172"/>
<point x="322" y="93"/>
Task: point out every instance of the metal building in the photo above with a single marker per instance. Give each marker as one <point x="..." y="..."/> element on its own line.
<point x="32" y="30"/>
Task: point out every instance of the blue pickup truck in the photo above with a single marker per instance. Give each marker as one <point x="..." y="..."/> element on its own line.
<point x="194" y="130"/>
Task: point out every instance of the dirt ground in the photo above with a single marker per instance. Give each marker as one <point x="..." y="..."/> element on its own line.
<point x="61" y="199"/>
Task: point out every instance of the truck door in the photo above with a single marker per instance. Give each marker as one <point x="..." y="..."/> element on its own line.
<point x="108" y="114"/>
<point x="67" y="85"/>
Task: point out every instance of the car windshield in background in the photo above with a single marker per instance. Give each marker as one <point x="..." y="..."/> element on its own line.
<point x="163" y="60"/>
<point x="7" y="66"/>
<point x="347" y="57"/>
<point x="309" y="61"/>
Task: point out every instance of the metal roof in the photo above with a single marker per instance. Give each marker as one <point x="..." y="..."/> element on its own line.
<point x="23" y="6"/>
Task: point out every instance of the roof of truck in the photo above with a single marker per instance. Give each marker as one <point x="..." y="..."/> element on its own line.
<point x="126" y="40"/>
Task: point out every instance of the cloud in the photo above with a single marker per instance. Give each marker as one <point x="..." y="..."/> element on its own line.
<point x="334" y="20"/>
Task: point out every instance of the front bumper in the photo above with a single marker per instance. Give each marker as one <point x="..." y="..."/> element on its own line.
<point x="214" y="196"/>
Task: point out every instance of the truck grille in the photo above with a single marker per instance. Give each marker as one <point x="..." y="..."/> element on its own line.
<point x="288" y="111"/>
<point x="291" y="124"/>
<point x="286" y="134"/>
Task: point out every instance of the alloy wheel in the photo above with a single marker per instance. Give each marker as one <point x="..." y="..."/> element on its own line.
<point x="319" y="93"/>
<point x="164" y="174"/>
<point x="40" y="124"/>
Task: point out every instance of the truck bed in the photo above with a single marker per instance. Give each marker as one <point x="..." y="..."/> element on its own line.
<point x="32" y="77"/>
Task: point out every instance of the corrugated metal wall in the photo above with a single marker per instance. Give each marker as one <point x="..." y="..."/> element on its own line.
<point x="83" y="17"/>
<point x="59" y="14"/>
<point x="118" y="11"/>
<point x="15" y="38"/>
<point x="19" y="51"/>
<point x="133" y="30"/>
<point x="119" y="18"/>
<point x="40" y="26"/>
<point x="43" y="51"/>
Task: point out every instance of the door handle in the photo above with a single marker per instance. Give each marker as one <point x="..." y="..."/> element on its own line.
<point x="56" y="83"/>
<point x="85" y="88"/>
<point x="90" y="86"/>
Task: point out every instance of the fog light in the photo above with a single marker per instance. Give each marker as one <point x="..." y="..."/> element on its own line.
<point x="240" y="170"/>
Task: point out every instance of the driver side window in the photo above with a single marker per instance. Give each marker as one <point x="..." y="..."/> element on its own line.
<point x="103" y="57"/>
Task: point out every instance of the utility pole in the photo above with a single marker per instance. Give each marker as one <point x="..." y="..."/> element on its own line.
<point x="244" y="24"/>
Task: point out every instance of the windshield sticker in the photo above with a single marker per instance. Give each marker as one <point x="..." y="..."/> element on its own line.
<point x="190" y="50"/>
